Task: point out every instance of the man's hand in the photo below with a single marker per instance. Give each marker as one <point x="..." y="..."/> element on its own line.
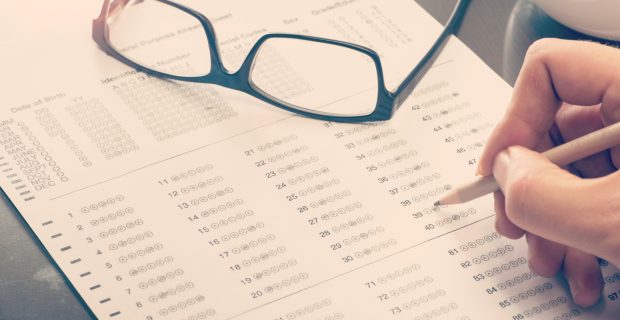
<point x="566" y="89"/>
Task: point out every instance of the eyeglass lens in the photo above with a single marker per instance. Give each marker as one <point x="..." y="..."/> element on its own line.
<point x="161" y="37"/>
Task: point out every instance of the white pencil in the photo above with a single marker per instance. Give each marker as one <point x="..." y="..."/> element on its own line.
<point x="562" y="155"/>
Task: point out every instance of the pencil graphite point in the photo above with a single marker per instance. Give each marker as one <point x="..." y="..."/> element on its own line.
<point x="437" y="204"/>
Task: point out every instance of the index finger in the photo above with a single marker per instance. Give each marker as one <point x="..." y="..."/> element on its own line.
<point x="554" y="71"/>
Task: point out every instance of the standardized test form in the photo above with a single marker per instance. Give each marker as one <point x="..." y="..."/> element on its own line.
<point x="169" y="200"/>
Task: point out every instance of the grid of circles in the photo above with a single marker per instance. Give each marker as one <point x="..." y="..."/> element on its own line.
<point x="308" y="176"/>
<point x="505" y="267"/>
<point x="121" y="228"/>
<point x="375" y="248"/>
<point x="449" y="110"/>
<point x="428" y="298"/>
<point x="361" y="128"/>
<point x="535" y="311"/>
<point x="286" y="154"/>
<point x="242" y="232"/>
<point x="430" y="88"/>
<point x="318" y="187"/>
<point x="427" y="211"/>
<point x="162" y="278"/>
<point x="411" y="286"/>
<point x="462" y="120"/>
<point x="436" y="313"/>
<point x="421" y="181"/>
<point x="381" y="32"/>
<point x="169" y="109"/>
<point x="362" y="236"/>
<point x="472" y="147"/>
<point x="279" y="78"/>
<point x="232" y="219"/>
<point x="130" y="241"/>
<point x="263" y="257"/>
<point x="277" y="142"/>
<point x="397" y="159"/>
<point x="151" y="266"/>
<point x="201" y="315"/>
<point x="201" y="185"/>
<point x="409" y="171"/>
<point x="298" y="164"/>
<point x="612" y="278"/>
<point x="253" y="244"/>
<point x="112" y="216"/>
<point x="141" y="253"/>
<point x="519" y="279"/>
<point x="386" y="147"/>
<point x="191" y="172"/>
<point x="54" y="129"/>
<point x="292" y="315"/>
<point x="399" y="273"/>
<point x="474" y="130"/>
<point x="274" y="269"/>
<point x="171" y="292"/>
<point x="221" y="208"/>
<point x="531" y="292"/>
<point x="431" y="193"/>
<point x="335" y="316"/>
<point x="187" y="303"/>
<point x="286" y="283"/>
<point x="211" y="196"/>
<point x="105" y="132"/>
<point x="357" y="222"/>
<point x="480" y="241"/>
<point x="493" y="254"/>
<point x="455" y="217"/>
<point x="342" y="210"/>
<point x="375" y="137"/>
<point x="438" y="101"/>
<point x="351" y="34"/>
<point x="44" y="154"/>
<point x="574" y="313"/>
<point x="389" y="23"/>
<point x="102" y="203"/>
<point x="335" y="197"/>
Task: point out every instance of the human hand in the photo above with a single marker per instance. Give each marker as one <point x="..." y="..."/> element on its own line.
<point x="565" y="89"/>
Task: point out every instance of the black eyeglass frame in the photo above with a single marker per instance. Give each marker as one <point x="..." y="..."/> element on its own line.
<point x="387" y="102"/>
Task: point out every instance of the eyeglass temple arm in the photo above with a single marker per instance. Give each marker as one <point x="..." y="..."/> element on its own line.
<point x="413" y="78"/>
<point x="110" y="8"/>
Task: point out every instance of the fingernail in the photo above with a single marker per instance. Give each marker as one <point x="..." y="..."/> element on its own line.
<point x="575" y="287"/>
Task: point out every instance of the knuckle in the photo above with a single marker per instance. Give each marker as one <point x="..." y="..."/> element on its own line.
<point x="540" y="46"/>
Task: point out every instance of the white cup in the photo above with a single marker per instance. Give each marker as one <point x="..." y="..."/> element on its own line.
<point x="599" y="18"/>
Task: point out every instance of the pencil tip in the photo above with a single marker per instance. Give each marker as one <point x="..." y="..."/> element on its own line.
<point x="437" y="204"/>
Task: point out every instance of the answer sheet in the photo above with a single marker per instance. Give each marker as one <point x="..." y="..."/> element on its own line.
<point x="170" y="200"/>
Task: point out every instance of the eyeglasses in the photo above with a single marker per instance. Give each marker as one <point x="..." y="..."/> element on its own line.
<point x="316" y="77"/>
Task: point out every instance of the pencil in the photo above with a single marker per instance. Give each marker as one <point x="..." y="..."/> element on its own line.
<point x="561" y="155"/>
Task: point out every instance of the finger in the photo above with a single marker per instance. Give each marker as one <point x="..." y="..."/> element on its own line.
<point x="545" y="200"/>
<point x="584" y="277"/>
<point x="576" y="121"/>
<point x="545" y="257"/>
<point x="579" y="73"/>
<point x="502" y="223"/>
<point x="610" y="113"/>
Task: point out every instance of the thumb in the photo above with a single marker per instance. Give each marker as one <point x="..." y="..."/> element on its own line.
<point x="543" y="199"/>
